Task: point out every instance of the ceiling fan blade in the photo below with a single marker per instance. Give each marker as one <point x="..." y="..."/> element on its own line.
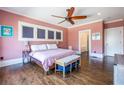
<point x="70" y="11"/>
<point x="78" y="17"/>
<point x="71" y="21"/>
<point x="61" y="21"/>
<point x="57" y="16"/>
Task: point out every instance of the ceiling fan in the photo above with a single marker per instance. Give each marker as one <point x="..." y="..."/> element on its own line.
<point x="70" y="18"/>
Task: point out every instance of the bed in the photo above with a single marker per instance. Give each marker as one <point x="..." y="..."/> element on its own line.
<point x="46" y="58"/>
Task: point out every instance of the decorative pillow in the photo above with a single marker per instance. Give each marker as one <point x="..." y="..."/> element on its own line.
<point x="38" y="47"/>
<point x="52" y="46"/>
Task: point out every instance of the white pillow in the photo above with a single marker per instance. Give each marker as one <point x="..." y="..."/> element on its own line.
<point x="38" y="47"/>
<point x="52" y="46"/>
<point x="34" y="47"/>
<point x="43" y="47"/>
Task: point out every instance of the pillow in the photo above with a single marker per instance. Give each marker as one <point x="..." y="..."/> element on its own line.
<point x="52" y="46"/>
<point x="38" y="47"/>
<point x="43" y="47"/>
<point x="34" y="47"/>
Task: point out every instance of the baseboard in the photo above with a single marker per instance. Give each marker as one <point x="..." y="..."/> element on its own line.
<point x="10" y="62"/>
<point x="96" y="55"/>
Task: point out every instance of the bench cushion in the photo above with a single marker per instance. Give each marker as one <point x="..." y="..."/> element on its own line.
<point x="67" y="60"/>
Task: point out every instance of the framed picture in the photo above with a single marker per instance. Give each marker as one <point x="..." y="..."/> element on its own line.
<point x="96" y="36"/>
<point x="93" y="36"/>
<point x="0" y="30"/>
<point x="6" y="31"/>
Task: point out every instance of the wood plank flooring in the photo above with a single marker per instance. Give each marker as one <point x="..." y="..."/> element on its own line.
<point x="92" y="72"/>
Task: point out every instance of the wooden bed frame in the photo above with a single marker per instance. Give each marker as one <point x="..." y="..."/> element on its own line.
<point x="38" y="62"/>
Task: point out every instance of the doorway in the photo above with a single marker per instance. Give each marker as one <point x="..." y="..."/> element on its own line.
<point x="85" y="41"/>
<point x="114" y="41"/>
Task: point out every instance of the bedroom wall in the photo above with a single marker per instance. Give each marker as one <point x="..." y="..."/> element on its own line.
<point x="96" y="45"/>
<point x="0" y="47"/>
<point x="11" y="48"/>
<point x="114" y="24"/>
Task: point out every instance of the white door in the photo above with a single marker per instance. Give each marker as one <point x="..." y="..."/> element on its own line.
<point x="84" y="41"/>
<point x="114" y="41"/>
<point x="89" y="40"/>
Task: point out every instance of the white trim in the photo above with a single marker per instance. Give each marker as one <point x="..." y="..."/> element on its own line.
<point x="112" y="21"/>
<point x="100" y="20"/>
<point x="87" y="30"/>
<point x="97" y="55"/>
<point x="38" y="19"/>
<point x="10" y="62"/>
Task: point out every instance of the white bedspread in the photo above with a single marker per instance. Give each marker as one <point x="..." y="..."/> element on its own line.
<point x="48" y="57"/>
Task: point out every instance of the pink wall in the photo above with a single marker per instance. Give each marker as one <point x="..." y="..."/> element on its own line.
<point x="97" y="46"/>
<point x="0" y="46"/>
<point x="11" y="47"/>
<point x="113" y="24"/>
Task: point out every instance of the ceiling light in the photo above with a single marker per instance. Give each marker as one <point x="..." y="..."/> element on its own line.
<point x="99" y="13"/>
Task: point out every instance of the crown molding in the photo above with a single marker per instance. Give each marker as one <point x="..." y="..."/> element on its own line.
<point x="112" y="21"/>
<point x="30" y="17"/>
<point x="99" y="20"/>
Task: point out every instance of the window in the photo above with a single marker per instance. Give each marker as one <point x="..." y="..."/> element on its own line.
<point x="50" y="34"/>
<point x="27" y="32"/>
<point x="41" y="33"/>
<point x="58" y="35"/>
<point x="32" y="32"/>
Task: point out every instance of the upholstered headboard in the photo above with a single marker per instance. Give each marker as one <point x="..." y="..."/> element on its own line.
<point x="38" y="43"/>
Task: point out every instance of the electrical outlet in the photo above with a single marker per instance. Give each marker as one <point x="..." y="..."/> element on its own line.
<point x="94" y="51"/>
<point x="1" y="58"/>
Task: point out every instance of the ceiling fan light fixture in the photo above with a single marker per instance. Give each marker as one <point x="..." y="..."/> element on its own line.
<point x="98" y="13"/>
<point x="70" y="18"/>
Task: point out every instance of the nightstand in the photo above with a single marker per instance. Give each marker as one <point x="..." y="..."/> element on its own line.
<point x="25" y="56"/>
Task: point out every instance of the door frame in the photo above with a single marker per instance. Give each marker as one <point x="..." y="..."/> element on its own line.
<point x="105" y="54"/>
<point x="82" y="31"/>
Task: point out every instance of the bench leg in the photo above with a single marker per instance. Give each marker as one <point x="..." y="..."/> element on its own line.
<point x="70" y="68"/>
<point x="55" y="68"/>
<point x="63" y="72"/>
<point x="76" y="65"/>
<point x="45" y="72"/>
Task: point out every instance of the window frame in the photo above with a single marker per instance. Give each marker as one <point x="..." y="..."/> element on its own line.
<point x="35" y="27"/>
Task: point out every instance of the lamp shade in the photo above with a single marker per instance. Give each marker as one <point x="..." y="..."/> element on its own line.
<point x="26" y="45"/>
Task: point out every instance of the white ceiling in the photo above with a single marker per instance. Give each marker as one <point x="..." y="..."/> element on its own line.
<point x="44" y="13"/>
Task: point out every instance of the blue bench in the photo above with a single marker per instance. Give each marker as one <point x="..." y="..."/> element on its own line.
<point x="66" y="64"/>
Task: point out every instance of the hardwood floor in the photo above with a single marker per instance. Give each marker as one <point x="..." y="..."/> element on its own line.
<point x="92" y="72"/>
